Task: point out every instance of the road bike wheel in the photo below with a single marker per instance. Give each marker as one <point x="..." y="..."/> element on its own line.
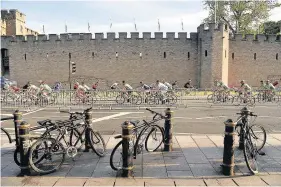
<point x="97" y="143"/>
<point x="120" y="99"/>
<point x="17" y="156"/>
<point x="53" y="155"/>
<point x="210" y="98"/>
<point x="151" y="100"/>
<point x="154" y="138"/>
<point x="250" y="155"/>
<point x="136" y="99"/>
<point x="171" y="99"/>
<point x="275" y="98"/>
<point x="258" y="136"/>
<point x="116" y="161"/>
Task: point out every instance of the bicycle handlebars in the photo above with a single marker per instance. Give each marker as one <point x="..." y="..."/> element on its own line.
<point x="156" y="113"/>
<point x="7" y="118"/>
<point x="247" y="114"/>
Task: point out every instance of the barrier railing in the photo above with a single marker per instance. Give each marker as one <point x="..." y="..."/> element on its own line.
<point x="135" y="98"/>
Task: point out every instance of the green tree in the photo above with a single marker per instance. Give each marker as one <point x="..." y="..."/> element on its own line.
<point x="241" y="16"/>
<point x="272" y="27"/>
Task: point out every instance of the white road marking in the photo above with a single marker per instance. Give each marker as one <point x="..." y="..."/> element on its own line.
<point x="7" y="114"/>
<point x="111" y="116"/>
<point x="182" y="118"/>
<point x="33" y="111"/>
<point x="206" y="118"/>
<point x="51" y="117"/>
<point x="110" y="112"/>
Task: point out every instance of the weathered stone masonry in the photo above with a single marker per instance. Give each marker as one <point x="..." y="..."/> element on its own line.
<point x="208" y="54"/>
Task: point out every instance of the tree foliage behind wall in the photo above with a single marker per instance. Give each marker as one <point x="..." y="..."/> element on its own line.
<point x="272" y="27"/>
<point x="241" y="16"/>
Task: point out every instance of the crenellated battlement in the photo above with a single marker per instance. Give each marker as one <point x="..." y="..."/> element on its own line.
<point x="257" y="38"/>
<point x="99" y="36"/>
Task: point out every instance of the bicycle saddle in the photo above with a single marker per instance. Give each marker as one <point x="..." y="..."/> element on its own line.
<point x="44" y="122"/>
<point x="135" y="122"/>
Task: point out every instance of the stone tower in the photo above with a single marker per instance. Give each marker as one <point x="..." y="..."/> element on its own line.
<point x="15" y="22"/>
<point x="213" y="51"/>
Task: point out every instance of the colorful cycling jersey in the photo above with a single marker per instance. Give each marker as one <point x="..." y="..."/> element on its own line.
<point x="246" y="87"/>
<point x="270" y="86"/>
<point x="81" y="88"/>
<point x="128" y="87"/>
<point x="114" y="85"/>
<point x="86" y="87"/>
<point x="146" y="87"/>
<point x="162" y="86"/>
<point x="33" y="88"/>
<point x="45" y="88"/>
<point x="168" y="85"/>
<point x="220" y="84"/>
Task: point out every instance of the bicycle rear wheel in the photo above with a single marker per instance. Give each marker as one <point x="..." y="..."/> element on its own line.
<point x="120" y="99"/>
<point x="97" y="143"/>
<point x="250" y="155"/>
<point x="52" y="153"/>
<point x="154" y="138"/>
<point x="258" y="136"/>
<point x="116" y="161"/>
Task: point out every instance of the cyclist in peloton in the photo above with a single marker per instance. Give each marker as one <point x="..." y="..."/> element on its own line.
<point x="162" y="88"/>
<point x="188" y="84"/>
<point x="95" y="86"/>
<point x="168" y="85"/>
<point x="114" y="86"/>
<point x="144" y="86"/>
<point x="128" y="88"/>
<point x="45" y="89"/>
<point x="57" y="86"/>
<point x="32" y="89"/>
<point x="245" y="89"/>
<point x="175" y="85"/>
<point x="269" y="87"/>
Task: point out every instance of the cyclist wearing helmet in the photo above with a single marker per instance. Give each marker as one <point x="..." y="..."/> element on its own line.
<point x="262" y="85"/>
<point x="114" y="86"/>
<point x="45" y="88"/>
<point x="245" y="88"/>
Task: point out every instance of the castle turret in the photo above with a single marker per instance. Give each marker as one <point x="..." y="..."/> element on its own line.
<point x="213" y="49"/>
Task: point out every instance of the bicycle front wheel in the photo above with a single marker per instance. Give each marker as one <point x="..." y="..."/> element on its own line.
<point x="250" y="155"/>
<point x="116" y="161"/>
<point x="154" y="138"/>
<point x="258" y="136"/>
<point x="51" y="152"/>
<point x="97" y="143"/>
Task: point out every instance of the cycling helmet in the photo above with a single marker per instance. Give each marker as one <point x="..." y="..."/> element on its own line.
<point x="242" y="81"/>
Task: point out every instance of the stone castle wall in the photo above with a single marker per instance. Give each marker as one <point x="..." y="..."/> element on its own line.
<point x="205" y="56"/>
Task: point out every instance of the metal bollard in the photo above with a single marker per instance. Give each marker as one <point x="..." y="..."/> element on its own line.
<point x="127" y="151"/>
<point x="168" y="135"/>
<point x="88" y="119"/>
<point x="24" y="146"/>
<point x="228" y="151"/>
<point x="17" y="120"/>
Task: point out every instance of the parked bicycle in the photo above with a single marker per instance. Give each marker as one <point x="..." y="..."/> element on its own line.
<point x="148" y="135"/>
<point x="254" y="138"/>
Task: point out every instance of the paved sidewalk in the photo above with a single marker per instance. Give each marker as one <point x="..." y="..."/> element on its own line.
<point x="195" y="160"/>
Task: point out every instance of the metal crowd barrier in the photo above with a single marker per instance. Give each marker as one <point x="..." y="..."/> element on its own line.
<point x="108" y="98"/>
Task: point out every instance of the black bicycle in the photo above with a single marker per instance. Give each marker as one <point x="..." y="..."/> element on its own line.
<point x="47" y="154"/>
<point x="148" y="134"/>
<point x="254" y="138"/>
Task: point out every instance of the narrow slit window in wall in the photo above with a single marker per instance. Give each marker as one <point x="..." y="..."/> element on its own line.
<point x="276" y="56"/>
<point x="225" y="54"/>
<point x="255" y="56"/>
<point x="25" y="56"/>
<point x="206" y="53"/>
<point x="93" y="54"/>
<point x="164" y="54"/>
<point x="69" y="55"/>
<point x="188" y="55"/>
<point x="232" y="55"/>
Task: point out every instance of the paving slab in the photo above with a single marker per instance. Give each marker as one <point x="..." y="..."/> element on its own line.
<point x="176" y="163"/>
<point x="200" y="170"/>
<point x="189" y="182"/>
<point x="71" y="182"/>
<point x="180" y="174"/>
<point x="129" y="182"/>
<point x="41" y="181"/>
<point x="100" y="182"/>
<point x="12" y="170"/>
<point x="194" y="156"/>
<point x="13" y="181"/>
<point x="272" y="180"/>
<point x="82" y="169"/>
<point x="154" y="171"/>
<point x="103" y="170"/>
<point x="226" y="182"/>
<point x="159" y="182"/>
<point x="217" y="139"/>
<point x="249" y="181"/>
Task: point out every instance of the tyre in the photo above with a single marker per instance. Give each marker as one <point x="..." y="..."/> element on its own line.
<point x="136" y="99"/>
<point x="116" y="162"/>
<point x="52" y="153"/>
<point x="17" y="156"/>
<point x="172" y="99"/>
<point x="250" y="156"/>
<point x="151" y="100"/>
<point x="210" y="98"/>
<point x="154" y="138"/>
<point x="120" y="99"/>
<point x="258" y="136"/>
<point x="97" y="143"/>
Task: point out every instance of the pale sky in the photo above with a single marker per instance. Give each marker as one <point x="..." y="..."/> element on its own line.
<point x="77" y="14"/>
